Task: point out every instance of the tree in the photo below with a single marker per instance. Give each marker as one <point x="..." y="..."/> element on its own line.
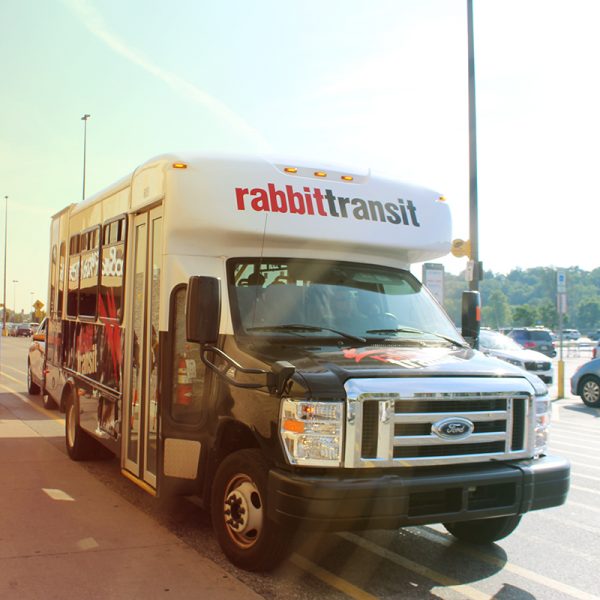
<point x="588" y="314"/>
<point x="525" y="315"/>
<point x="497" y="313"/>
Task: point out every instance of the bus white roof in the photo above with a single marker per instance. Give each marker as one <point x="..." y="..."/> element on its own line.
<point x="250" y="206"/>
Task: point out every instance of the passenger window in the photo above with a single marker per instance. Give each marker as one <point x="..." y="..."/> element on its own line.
<point x="113" y="275"/>
<point x="73" y="286"/>
<point x="61" y="279"/>
<point x="88" y="287"/>
<point x="188" y="370"/>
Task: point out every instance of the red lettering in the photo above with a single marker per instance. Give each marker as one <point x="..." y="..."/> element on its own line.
<point x="260" y="202"/>
<point x="239" y="195"/>
<point x="309" y="205"/>
<point x="318" y="196"/>
<point x="278" y="201"/>
<point x="293" y="196"/>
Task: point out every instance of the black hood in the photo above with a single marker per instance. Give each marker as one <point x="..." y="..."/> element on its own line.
<point x="325" y="369"/>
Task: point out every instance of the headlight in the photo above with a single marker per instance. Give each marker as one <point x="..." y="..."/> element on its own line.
<point x="312" y="432"/>
<point x="514" y="361"/>
<point x="543" y="412"/>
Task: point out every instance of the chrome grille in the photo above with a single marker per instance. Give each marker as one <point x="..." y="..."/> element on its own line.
<point x="390" y="421"/>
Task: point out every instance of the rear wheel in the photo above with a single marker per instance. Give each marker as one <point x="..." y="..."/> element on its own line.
<point x="246" y="535"/>
<point x="80" y="446"/>
<point x="589" y="390"/>
<point x="484" y="531"/>
<point x="32" y="387"/>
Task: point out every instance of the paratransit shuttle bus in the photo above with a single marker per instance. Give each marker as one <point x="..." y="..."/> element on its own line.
<point x="248" y="331"/>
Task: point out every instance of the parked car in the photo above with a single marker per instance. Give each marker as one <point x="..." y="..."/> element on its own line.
<point x="534" y="338"/>
<point x="502" y="346"/>
<point x="594" y="335"/>
<point x="571" y="334"/>
<point x="23" y="330"/>
<point x="33" y="327"/>
<point x="36" y="365"/>
<point x="585" y="383"/>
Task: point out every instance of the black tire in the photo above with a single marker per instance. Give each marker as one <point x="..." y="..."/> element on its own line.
<point x="80" y="446"/>
<point x="484" y="531"/>
<point x="589" y="391"/>
<point x="48" y="401"/>
<point x="32" y="387"/>
<point x="248" y="538"/>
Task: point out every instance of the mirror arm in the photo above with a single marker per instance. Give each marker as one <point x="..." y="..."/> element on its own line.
<point x="222" y="371"/>
<point x="276" y="379"/>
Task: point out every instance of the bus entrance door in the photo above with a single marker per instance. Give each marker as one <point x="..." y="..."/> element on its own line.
<point x="140" y="452"/>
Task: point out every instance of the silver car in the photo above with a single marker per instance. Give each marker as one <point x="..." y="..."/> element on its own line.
<point x="505" y="348"/>
<point x="586" y="383"/>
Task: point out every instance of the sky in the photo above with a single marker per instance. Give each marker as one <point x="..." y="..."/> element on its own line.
<point x="381" y="84"/>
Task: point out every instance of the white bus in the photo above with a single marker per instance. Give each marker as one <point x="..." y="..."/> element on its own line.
<point x="248" y="330"/>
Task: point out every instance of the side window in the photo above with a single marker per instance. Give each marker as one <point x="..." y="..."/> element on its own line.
<point x="73" y="285"/>
<point x="113" y="270"/>
<point x="54" y="259"/>
<point x="88" y="286"/>
<point x="189" y="372"/>
<point x="61" y="278"/>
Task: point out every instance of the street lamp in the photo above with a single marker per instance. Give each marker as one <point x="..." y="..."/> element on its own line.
<point x="84" y="119"/>
<point x="15" y="281"/>
<point x="31" y="295"/>
<point x="473" y="208"/>
<point x="4" y="332"/>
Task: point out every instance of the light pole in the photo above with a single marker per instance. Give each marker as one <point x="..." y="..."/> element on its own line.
<point x="15" y="281"/>
<point x="31" y="294"/>
<point x="4" y="332"/>
<point x="84" y="119"/>
<point x="473" y="210"/>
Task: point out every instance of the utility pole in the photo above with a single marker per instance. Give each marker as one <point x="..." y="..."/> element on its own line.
<point x="4" y="332"/>
<point x="477" y="273"/>
<point x="84" y="119"/>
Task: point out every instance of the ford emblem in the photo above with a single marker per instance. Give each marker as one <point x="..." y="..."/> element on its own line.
<point x="453" y="428"/>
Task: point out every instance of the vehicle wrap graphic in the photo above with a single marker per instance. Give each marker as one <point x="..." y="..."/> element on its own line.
<point x="406" y="358"/>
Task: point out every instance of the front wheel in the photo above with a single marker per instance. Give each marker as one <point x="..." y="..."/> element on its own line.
<point x="248" y="538"/>
<point x="589" y="390"/>
<point x="484" y="531"/>
<point x="32" y="387"/>
<point x="48" y="401"/>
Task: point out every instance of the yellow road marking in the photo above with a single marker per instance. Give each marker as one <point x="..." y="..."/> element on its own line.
<point x="40" y="409"/>
<point x="330" y="579"/>
<point x="447" y="582"/>
<point x="10" y="377"/>
<point x="15" y="369"/>
<point x="548" y="582"/>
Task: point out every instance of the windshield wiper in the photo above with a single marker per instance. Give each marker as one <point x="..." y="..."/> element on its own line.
<point x="418" y="331"/>
<point x="299" y="327"/>
<point x="396" y="330"/>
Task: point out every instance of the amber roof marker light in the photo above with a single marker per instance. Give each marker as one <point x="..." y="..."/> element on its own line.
<point x="179" y="165"/>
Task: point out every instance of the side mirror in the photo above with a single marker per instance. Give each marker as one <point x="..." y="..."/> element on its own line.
<point x="203" y="310"/>
<point x="471" y="317"/>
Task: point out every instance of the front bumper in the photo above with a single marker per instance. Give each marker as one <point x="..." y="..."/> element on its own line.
<point x="427" y="495"/>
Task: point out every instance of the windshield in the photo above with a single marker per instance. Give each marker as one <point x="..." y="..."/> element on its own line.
<point x="302" y="298"/>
